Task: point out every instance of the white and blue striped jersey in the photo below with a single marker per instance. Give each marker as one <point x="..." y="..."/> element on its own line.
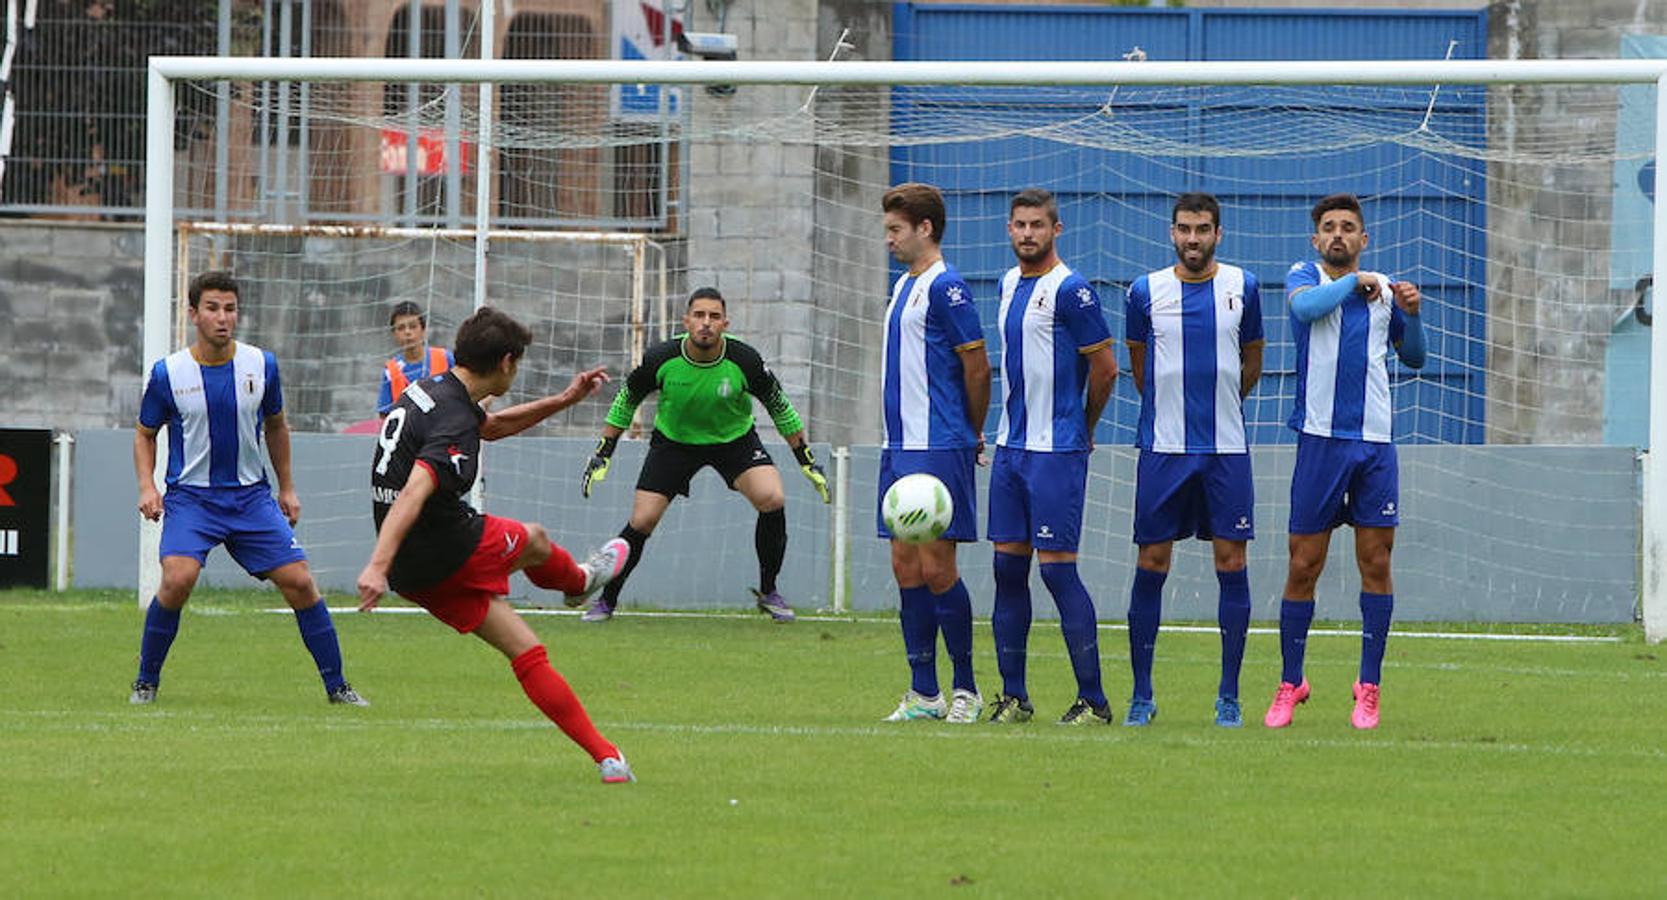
<point x="929" y="319"/>
<point x="214" y="415"/>
<point x="1194" y="332"/>
<point x="1342" y="371"/>
<point x="1048" y="324"/>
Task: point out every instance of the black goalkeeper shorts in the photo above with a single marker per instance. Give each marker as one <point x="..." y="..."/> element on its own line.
<point x="671" y="465"/>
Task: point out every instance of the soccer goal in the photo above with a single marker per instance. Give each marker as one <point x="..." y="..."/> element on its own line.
<point x="1518" y="195"/>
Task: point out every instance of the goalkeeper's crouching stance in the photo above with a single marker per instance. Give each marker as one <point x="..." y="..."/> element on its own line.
<point x="706" y="380"/>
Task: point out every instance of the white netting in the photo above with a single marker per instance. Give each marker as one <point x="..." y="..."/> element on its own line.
<point x="1505" y="204"/>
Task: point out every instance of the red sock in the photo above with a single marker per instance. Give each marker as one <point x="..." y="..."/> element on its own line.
<point x="549" y="692"/>
<point x="558" y="573"/>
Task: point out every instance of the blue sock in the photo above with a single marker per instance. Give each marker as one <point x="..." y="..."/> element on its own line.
<point x="1233" y="616"/>
<point x="955" y="621"/>
<point x="1145" y="612"/>
<point x="1294" y="618"/>
<point x="318" y="632"/>
<point x="161" y="624"/>
<point x="1010" y="620"/>
<point x="918" y="615"/>
<point x="1375" y="612"/>
<point x="1078" y="625"/>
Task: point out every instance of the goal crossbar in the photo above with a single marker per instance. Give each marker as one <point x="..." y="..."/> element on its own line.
<point x="910" y="72"/>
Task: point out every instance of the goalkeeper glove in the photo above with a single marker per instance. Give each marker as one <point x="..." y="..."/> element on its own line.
<point x="597" y="469"/>
<point x="813" y="471"/>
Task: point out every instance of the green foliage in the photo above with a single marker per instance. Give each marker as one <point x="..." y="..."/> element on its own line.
<point x="85" y="63"/>
<point x="1529" y="769"/>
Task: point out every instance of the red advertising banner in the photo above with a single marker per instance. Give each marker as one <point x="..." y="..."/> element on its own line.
<point x="431" y="152"/>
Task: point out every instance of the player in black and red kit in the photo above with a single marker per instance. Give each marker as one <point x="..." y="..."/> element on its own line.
<point x="438" y="552"/>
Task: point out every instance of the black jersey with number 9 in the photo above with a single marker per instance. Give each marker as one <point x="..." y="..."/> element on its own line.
<point x="435" y="423"/>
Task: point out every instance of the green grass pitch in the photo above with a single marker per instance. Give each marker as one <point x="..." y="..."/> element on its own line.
<point x="1502" y="768"/>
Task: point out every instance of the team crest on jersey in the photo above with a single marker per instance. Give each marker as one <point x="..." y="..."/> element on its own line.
<point x="249" y="383"/>
<point x="457" y="457"/>
<point x="1041" y="301"/>
<point x="724" y="388"/>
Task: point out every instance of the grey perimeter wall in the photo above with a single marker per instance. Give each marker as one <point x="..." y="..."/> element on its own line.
<point x="1469" y="549"/>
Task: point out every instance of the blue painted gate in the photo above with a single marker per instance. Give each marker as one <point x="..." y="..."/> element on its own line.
<point x="1424" y="212"/>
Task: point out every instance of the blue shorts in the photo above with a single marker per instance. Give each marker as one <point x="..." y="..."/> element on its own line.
<point x="1179" y="495"/>
<point x="1036" y="498"/>
<point x="247" y="520"/>
<point x="1340" y="481"/>
<point x="952" y="467"/>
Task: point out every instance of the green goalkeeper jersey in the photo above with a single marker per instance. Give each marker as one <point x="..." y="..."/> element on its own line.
<point x="704" y="402"/>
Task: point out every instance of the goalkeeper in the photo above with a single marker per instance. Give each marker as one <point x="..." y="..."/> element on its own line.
<point x="705" y="418"/>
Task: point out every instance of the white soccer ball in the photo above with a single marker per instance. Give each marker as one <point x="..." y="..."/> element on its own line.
<point x="917" y="508"/>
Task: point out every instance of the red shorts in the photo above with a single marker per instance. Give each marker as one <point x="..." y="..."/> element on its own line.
<point x="462" y="599"/>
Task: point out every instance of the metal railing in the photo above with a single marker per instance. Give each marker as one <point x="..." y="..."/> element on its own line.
<point x="77" y="86"/>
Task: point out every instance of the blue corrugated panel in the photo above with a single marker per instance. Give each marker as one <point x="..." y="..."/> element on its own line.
<point x="1424" y="212"/>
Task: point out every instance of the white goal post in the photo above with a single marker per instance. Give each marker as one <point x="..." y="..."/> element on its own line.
<point x="165" y="72"/>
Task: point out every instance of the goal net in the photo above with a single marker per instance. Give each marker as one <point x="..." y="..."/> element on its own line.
<point x="1523" y="211"/>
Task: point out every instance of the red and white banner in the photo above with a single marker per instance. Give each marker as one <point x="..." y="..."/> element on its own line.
<point x="431" y="152"/>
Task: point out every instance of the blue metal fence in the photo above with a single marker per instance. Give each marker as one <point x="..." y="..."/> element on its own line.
<point x="1426" y="214"/>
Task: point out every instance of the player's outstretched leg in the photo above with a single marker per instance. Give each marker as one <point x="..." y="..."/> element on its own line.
<point x="604" y="564"/>
<point x="550" y="692"/>
<point x="603" y="609"/>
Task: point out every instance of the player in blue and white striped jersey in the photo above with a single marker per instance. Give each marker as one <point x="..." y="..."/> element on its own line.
<point x="1058" y="369"/>
<point x="1194" y="331"/>
<point x="217" y="398"/>
<point x="937" y="391"/>
<point x="1344" y="321"/>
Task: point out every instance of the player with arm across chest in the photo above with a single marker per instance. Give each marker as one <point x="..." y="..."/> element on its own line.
<point x="1344" y="321"/>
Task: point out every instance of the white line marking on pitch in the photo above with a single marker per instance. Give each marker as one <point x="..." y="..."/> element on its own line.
<point x="200" y="609"/>
<point x="151" y="719"/>
<point x="1184" y="629"/>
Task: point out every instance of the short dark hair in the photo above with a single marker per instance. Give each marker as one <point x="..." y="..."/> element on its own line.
<point x="1036" y="198"/>
<point x="407" y="308"/>
<point x="918" y="203"/>
<point x="1330" y="202"/>
<point x="1193" y="202"/>
<point x="706" y="293"/>
<point x="486" y="337"/>
<point x="212" y="280"/>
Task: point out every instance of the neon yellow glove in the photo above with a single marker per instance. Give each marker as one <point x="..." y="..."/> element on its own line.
<point x="597" y="469"/>
<point x="813" y="471"/>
